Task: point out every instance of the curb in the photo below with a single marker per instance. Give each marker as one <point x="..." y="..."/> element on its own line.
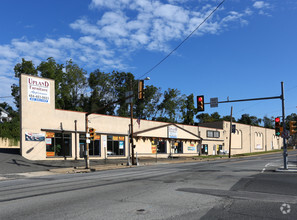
<point x="289" y="170"/>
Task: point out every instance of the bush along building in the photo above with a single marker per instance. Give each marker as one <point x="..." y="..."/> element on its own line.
<point x="53" y="134"/>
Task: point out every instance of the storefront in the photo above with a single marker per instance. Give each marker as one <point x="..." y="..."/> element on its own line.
<point x="52" y="134"/>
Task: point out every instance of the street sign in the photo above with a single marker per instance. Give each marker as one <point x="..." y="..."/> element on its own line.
<point x="128" y="94"/>
<point x="213" y="102"/>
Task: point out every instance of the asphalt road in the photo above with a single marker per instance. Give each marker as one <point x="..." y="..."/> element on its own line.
<point x="223" y="189"/>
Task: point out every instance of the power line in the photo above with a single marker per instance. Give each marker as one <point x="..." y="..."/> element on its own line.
<point x="155" y="66"/>
<point x="4" y="97"/>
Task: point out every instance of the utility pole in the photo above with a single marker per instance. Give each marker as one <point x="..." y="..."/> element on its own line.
<point x="285" y="154"/>
<point x="128" y="158"/>
<point x="75" y="127"/>
<point x="230" y="132"/>
<point x="87" y="158"/>
<point x="131" y="131"/>
<point x="63" y="142"/>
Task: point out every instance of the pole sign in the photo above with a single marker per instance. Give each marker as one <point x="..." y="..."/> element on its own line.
<point x="128" y="94"/>
<point x="213" y="102"/>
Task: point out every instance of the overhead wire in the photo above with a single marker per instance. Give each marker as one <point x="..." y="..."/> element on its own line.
<point x="161" y="61"/>
<point x="207" y="17"/>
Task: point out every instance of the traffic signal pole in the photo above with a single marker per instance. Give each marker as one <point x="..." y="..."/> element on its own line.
<point x="230" y="132"/>
<point x="282" y="97"/>
<point x="285" y="153"/>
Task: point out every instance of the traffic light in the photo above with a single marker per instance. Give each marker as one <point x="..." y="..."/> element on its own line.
<point x="200" y="103"/>
<point x="277" y="126"/>
<point x="293" y="127"/>
<point x="233" y="129"/>
<point x="92" y="133"/>
<point x="140" y="89"/>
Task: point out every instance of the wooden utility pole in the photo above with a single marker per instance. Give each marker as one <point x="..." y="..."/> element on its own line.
<point x="131" y="132"/>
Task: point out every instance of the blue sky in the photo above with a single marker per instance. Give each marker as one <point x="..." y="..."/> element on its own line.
<point x="243" y="51"/>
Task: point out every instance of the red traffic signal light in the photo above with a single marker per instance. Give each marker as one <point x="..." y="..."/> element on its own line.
<point x="200" y="103"/>
<point x="92" y="133"/>
<point x="277" y="126"/>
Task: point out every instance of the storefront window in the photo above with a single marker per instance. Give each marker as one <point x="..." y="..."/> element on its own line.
<point x="162" y="147"/>
<point x="115" y="145"/>
<point x="204" y="149"/>
<point x="58" y="144"/>
<point x="178" y="147"/>
<point x="94" y="146"/>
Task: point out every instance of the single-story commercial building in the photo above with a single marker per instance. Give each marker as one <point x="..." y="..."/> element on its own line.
<point x="53" y="134"/>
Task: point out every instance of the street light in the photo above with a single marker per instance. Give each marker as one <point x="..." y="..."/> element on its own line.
<point x="131" y="118"/>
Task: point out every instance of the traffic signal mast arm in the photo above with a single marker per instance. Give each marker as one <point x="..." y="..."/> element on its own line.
<point x="254" y="99"/>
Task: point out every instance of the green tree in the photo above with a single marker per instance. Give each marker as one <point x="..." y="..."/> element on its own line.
<point x="50" y="69"/>
<point x="215" y="117"/>
<point x="73" y="87"/>
<point x="10" y="129"/>
<point x="249" y="120"/>
<point x="203" y="117"/>
<point x="147" y="107"/>
<point x="291" y="117"/>
<point x="227" y="118"/>
<point x="170" y="107"/>
<point x="189" y="110"/>
<point x="122" y="83"/>
<point x="268" y="122"/>
<point x="25" y="67"/>
<point x="102" y="93"/>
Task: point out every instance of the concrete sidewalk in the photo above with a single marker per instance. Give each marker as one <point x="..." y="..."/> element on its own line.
<point x="14" y="166"/>
<point x="292" y="167"/>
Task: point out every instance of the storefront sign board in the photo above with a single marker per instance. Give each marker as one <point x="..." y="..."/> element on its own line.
<point x="48" y="141"/>
<point x="34" y="136"/>
<point x="104" y="141"/>
<point x="172" y="132"/>
<point x="38" y="90"/>
<point x="121" y="145"/>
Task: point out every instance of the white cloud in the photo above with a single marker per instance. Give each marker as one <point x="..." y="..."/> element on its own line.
<point x="261" y="5"/>
<point x="83" y="25"/>
<point x="152" y="24"/>
<point x="121" y="27"/>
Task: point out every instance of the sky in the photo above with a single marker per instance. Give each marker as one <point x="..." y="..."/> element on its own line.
<point x="244" y="50"/>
